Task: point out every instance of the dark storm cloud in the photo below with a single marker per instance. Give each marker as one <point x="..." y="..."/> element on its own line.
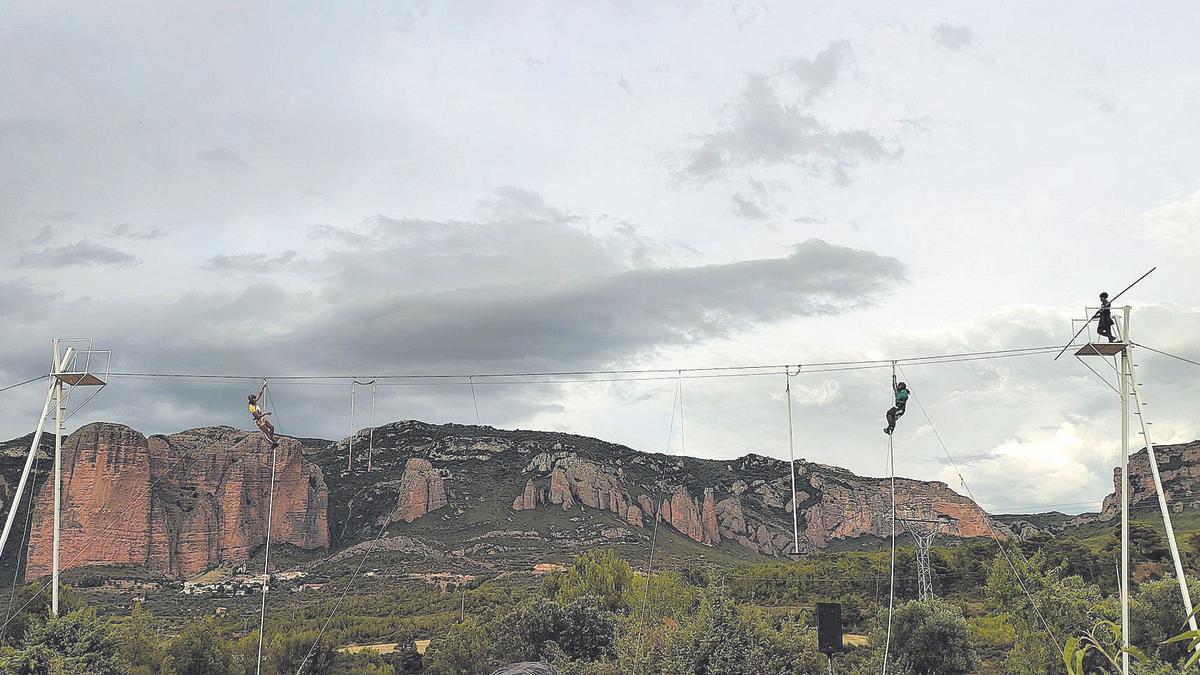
<point x="605" y="317"/>
<point x="951" y="36"/>
<point x="768" y="130"/>
<point x="80" y="254"/>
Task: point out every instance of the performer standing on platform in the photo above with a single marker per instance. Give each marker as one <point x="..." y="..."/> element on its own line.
<point x="1104" y="319"/>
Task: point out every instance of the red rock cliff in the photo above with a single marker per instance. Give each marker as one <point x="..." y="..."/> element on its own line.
<point x="179" y="504"/>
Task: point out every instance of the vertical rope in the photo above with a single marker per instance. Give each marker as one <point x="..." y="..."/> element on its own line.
<point x="657" y="508"/>
<point x="471" y="381"/>
<point x="682" y="437"/>
<point x="892" y="573"/>
<point x="792" y="466"/>
<point x="350" y="454"/>
<point x="262" y="617"/>
<point x="371" y="438"/>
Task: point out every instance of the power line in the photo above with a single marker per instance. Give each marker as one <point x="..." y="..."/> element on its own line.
<point x="1159" y="351"/>
<point x="22" y="384"/>
<point x="715" y="371"/>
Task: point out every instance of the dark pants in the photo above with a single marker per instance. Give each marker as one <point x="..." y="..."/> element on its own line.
<point x="893" y="414"/>
<point x="1104" y="329"/>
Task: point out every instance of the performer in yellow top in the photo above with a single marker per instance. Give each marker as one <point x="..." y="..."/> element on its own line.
<point x="260" y="417"/>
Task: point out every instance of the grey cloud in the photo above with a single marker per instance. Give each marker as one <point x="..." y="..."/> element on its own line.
<point x="607" y="317"/>
<point x="127" y="231"/>
<point x="510" y="203"/>
<point x="952" y="37"/>
<point x="22" y="299"/>
<point x="222" y="157"/>
<point x="747" y="208"/>
<point x="767" y="130"/>
<point x="818" y="74"/>
<point x="624" y="85"/>
<point x="80" y="254"/>
<point x="248" y="263"/>
<point x="757" y="204"/>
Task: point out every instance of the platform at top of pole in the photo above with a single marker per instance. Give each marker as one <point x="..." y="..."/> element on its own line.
<point x="86" y="367"/>
<point x="80" y="379"/>
<point x="1102" y="349"/>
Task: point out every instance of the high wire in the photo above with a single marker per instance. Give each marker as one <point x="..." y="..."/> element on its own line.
<point x="468" y="378"/>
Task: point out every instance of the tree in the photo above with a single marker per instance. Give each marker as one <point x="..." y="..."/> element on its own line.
<point x="199" y="650"/>
<point x="931" y="638"/>
<point x="1068" y="604"/>
<point x="77" y="642"/>
<point x="138" y="652"/>
<point x="582" y="630"/>
<point x="600" y="573"/>
<point x="723" y="638"/>
<point x="466" y="650"/>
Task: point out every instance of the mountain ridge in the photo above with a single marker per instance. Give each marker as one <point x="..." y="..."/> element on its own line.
<point x="478" y="495"/>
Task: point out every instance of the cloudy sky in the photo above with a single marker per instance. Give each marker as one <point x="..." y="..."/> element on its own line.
<point x="396" y="187"/>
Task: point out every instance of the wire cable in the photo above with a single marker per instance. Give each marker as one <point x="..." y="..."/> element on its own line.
<point x="1156" y="351"/>
<point x="22" y="384"/>
<point x="987" y="521"/>
<point x="657" y="509"/>
<point x="470" y="378"/>
<point x="892" y="567"/>
<point x="262" y="617"/>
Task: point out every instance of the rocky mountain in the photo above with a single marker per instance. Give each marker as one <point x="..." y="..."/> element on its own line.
<point x="1179" y="468"/>
<point x="468" y="495"/>
<point x="178" y="504"/>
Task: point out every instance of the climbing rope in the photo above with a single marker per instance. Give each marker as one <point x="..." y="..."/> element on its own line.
<point x="657" y="509"/>
<point x="350" y="454"/>
<point x="787" y="374"/>
<point x="262" y="617"/>
<point x="891" y="460"/>
<point x="371" y="437"/>
<point x="471" y="381"/>
<point x="988" y="521"/>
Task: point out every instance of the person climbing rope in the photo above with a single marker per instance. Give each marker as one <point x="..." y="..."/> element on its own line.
<point x="260" y="417"/>
<point x="897" y="410"/>
<point x="1104" y="319"/>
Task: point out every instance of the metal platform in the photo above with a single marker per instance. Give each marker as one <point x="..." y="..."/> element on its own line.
<point x="1101" y="349"/>
<point x="80" y="379"/>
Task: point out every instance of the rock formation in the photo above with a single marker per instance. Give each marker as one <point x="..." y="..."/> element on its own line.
<point x="422" y="490"/>
<point x="179" y="504"/>
<point x="1179" y="467"/>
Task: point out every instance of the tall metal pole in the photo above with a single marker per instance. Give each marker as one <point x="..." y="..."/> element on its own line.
<point x="1125" y="494"/>
<point x="1162" y="497"/>
<point x="33" y="447"/>
<point x="792" y="466"/>
<point x="58" y="420"/>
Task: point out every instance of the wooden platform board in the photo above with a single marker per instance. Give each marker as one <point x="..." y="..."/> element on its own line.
<point x="80" y="379"/>
<point x="1101" y="349"/>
